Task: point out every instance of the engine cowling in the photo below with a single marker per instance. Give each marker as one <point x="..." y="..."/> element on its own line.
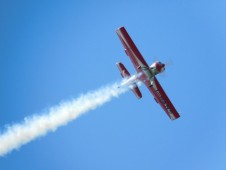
<point x="157" y="67"/>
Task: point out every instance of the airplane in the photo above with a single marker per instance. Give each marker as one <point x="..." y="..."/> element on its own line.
<point x="145" y="73"/>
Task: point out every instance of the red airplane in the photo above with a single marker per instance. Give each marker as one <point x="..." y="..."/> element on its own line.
<point x="145" y="74"/>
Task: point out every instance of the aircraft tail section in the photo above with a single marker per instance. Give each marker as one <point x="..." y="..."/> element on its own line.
<point x="125" y="74"/>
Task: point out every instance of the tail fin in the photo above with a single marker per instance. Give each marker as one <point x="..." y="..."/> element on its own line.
<point x="125" y="74"/>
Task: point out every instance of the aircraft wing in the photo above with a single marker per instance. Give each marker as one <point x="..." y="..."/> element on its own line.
<point x="131" y="49"/>
<point x="161" y="98"/>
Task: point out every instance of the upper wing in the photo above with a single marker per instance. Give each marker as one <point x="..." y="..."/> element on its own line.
<point x="161" y="98"/>
<point x="131" y="49"/>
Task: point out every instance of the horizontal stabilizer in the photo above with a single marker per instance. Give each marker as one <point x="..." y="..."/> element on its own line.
<point x="136" y="91"/>
<point x="124" y="72"/>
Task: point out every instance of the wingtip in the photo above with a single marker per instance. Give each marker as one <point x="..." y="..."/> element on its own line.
<point x="174" y="117"/>
<point x="120" y="28"/>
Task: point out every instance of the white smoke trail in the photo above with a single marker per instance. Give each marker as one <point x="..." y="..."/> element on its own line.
<point x="39" y="125"/>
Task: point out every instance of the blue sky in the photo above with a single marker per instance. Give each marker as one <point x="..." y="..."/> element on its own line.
<point x="55" y="50"/>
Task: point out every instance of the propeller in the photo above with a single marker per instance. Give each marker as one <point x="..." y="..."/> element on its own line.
<point x="168" y="62"/>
